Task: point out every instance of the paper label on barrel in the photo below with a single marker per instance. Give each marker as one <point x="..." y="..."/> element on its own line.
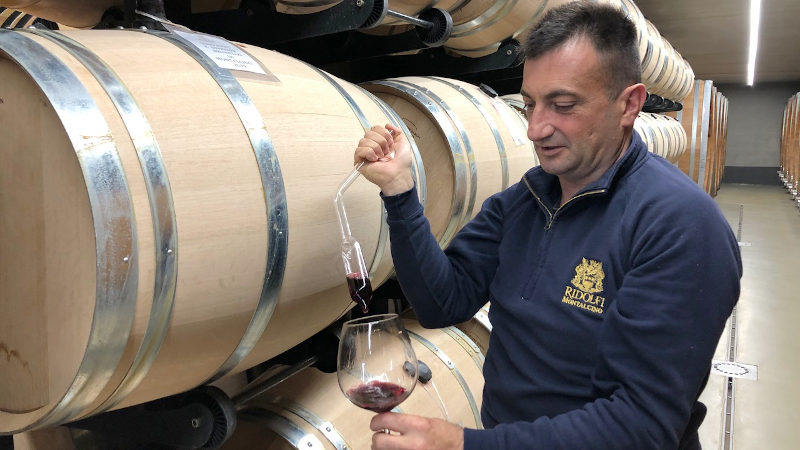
<point x="222" y="52"/>
<point x="512" y="123"/>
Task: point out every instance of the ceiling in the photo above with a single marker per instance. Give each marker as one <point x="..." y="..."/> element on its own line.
<point x="713" y="35"/>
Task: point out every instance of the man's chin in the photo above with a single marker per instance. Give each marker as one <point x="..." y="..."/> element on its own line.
<point x="550" y="167"/>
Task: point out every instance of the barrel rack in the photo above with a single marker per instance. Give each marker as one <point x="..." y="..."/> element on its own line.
<point x="330" y="40"/>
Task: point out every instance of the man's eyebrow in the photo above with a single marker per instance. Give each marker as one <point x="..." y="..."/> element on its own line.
<point x="552" y="95"/>
<point x="560" y="93"/>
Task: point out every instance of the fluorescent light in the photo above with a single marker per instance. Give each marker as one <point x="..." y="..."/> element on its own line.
<point x="755" y="18"/>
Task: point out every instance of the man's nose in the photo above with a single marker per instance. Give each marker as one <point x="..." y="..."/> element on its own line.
<point x="539" y="127"/>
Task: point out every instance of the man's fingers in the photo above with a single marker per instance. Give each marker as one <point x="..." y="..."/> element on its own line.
<point x="388" y="131"/>
<point x="377" y="144"/>
<point x="381" y="421"/>
<point x="410" y="432"/>
<point x="384" y="441"/>
<point x="394" y="422"/>
<point x="371" y="147"/>
<point x="388" y="158"/>
<point x="401" y="423"/>
<point x="382" y="137"/>
<point x="364" y="154"/>
<point x="393" y="130"/>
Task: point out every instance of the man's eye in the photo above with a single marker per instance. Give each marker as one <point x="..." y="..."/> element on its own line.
<point x="528" y="109"/>
<point x="563" y="107"/>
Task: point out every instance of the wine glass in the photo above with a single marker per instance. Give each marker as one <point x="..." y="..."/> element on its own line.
<point x="376" y="365"/>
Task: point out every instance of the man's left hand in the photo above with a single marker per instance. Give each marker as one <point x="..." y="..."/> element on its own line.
<point x="415" y="433"/>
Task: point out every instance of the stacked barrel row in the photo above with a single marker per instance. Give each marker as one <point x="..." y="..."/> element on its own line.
<point x="663" y="135"/>
<point x="705" y="118"/>
<point x="790" y="147"/>
<point x="164" y="231"/>
<point x="479" y="26"/>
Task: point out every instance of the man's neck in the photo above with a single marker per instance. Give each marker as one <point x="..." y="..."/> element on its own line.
<point x="570" y="189"/>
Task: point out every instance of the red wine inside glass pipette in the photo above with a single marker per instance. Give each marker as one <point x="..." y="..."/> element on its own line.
<point x="360" y="290"/>
<point x="377" y="396"/>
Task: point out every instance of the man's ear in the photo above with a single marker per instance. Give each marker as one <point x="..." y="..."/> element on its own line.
<point x="633" y="97"/>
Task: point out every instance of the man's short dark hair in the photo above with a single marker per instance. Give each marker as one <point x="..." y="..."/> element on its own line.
<point x="608" y="29"/>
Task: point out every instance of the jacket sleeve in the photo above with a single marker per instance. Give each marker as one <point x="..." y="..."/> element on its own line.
<point x="656" y="343"/>
<point x="444" y="287"/>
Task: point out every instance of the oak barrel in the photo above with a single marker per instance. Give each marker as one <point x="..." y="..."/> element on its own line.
<point x="169" y="220"/>
<point x="479" y="26"/>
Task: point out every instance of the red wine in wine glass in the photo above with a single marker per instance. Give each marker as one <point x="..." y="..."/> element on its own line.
<point x="371" y="362"/>
<point x="377" y="396"/>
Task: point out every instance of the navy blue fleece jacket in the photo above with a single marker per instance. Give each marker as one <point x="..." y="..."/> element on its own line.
<point x="606" y="312"/>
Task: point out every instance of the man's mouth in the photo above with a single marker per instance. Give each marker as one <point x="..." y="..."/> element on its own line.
<point x="549" y="148"/>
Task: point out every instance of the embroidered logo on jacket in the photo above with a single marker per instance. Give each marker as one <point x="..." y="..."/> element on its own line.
<point x="586" y="284"/>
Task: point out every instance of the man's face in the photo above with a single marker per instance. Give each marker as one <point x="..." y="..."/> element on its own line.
<point x="576" y="129"/>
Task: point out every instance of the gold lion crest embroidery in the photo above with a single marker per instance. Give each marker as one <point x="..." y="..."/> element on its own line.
<point x="589" y="276"/>
<point x="588" y="284"/>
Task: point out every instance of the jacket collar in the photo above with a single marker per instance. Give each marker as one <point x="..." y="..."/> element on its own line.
<point x="546" y="185"/>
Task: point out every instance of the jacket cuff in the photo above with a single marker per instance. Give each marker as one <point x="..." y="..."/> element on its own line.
<point x="402" y="206"/>
<point x="478" y="439"/>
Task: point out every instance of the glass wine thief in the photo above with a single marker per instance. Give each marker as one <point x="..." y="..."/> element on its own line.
<point x="355" y="268"/>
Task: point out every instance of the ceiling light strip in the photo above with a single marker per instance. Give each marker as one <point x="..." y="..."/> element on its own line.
<point x="755" y="18"/>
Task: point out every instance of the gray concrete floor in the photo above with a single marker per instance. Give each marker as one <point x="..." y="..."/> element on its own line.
<point x="765" y="413"/>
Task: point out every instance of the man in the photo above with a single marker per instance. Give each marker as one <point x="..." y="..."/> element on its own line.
<point x="610" y="274"/>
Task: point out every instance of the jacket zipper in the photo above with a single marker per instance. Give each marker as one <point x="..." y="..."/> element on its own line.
<point x="549" y="213"/>
<point x="553" y="215"/>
